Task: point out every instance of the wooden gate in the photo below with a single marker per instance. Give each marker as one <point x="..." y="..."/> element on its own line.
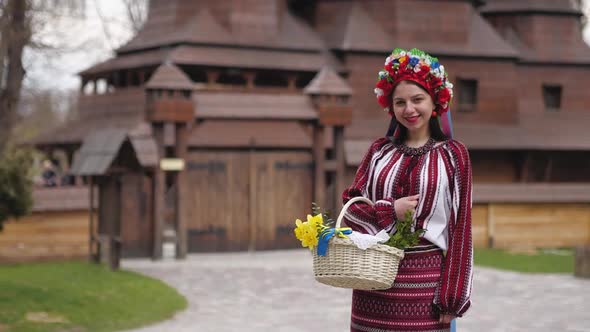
<point x="244" y="200"/>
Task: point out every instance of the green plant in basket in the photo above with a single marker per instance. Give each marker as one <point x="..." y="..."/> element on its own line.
<point x="319" y="224"/>
<point x="404" y="237"/>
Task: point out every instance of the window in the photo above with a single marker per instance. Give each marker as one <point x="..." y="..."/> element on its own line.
<point x="467" y="95"/>
<point x="552" y="97"/>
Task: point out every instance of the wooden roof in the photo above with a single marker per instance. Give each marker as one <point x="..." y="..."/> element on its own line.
<point x="74" y="132"/>
<point x="357" y="30"/>
<point x="168" y="25"/>
<point x="545" y="131"/>
<point x="329" y="83"/>
<point x="252" y="58"/>
<point x="234" y="105"/>
<point x="531" y="193"/>
<point x="531" y="6"/>
<point x="482" y="41"/>
<point x="245" y="134"/>
<point x="169" y="76"/>
<point x="129" y="61"/>
<point x="98" y="152"/>
<point x="352" y="28"/>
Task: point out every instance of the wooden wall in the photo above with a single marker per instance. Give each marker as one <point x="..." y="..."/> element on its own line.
<point x="531" y="225"/>
<point x="45" y="236"/>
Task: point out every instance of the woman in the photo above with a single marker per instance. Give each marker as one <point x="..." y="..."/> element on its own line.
<point x="418" y="167"/>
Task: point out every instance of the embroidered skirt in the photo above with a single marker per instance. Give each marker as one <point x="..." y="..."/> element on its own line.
<point x="408" y="304"/>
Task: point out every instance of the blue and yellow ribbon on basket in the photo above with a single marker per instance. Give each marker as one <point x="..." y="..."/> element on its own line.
<point x="327" y="234"/>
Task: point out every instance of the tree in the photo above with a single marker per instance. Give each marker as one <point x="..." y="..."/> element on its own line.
<point x="17" y="23"/>
<point x="15" y="183"/>
<point x="16" y="34"/>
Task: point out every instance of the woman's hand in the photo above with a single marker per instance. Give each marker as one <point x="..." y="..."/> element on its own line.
<point x="446" y="318"/>
<point x="404" y="204"/>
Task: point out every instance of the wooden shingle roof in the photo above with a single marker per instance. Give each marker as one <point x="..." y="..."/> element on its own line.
<point x="235" y="105"/>
<point x="203" y="28"/>
<point x="169" y="76"/>
<point x="327" y="81"/>
<point x="252" y="58"/>
<point x="531" y="6"/>
<point x="355" y="30"/>
<point x="566" y="131"/>
<point x="74" y="132"/>
<point x="255" y="133"/>
<point x="98" y="152"/>
<point x="129" y="61"/>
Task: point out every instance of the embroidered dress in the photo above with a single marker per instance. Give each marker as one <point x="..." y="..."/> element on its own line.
<point x="428" y="283"/>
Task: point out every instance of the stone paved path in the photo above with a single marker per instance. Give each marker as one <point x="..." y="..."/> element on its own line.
<point x="275" y="291"/>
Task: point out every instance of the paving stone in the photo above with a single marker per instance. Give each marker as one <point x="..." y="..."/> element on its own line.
<point x="275" y="291"/>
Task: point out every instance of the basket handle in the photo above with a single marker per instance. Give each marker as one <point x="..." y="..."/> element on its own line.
<point x="348" y="204"/>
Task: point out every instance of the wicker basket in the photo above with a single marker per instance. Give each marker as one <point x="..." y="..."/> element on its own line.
<point x="347" y="266"/>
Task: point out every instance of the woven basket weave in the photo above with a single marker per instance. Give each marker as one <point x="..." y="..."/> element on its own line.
<point x="347" y="266"/>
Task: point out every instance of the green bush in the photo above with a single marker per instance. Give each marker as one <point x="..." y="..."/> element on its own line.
<point x="16" y="185"/>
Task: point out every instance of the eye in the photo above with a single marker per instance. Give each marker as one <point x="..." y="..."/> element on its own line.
<point x="399" y="103"/>
<point x="418" y="100"/>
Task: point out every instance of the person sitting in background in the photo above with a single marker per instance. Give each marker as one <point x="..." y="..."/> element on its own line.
<point x="49" y="176"/>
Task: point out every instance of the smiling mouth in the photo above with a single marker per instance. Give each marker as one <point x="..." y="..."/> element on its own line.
<point x="412" y="119"/>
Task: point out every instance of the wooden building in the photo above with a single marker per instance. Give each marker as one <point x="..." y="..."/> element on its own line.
<point x="270" y="105"/>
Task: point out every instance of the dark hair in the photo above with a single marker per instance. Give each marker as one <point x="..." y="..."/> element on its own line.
<point x="435" y="130"/>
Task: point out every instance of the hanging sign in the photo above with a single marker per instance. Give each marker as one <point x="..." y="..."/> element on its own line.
<point x="172" y="164"/>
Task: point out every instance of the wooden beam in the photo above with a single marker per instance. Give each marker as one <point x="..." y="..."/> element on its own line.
<point x="253" y="198"/>
<point x="524" y="173"/>
<point x="91" y="256"/>
<point x="292" y="79"/>
<point x="548" y="168"/>
<point x="330" y="165"/>
<point x="319" y="157"/>
<point x="159" y="193"/>
<point x="250" y="77"/>
<point x="339" y="184"/>
<point x="181" y="192"/>
<point x="490" y="225"/>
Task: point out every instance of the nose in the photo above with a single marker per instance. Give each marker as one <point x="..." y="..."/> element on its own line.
<point x="410" y="108"/>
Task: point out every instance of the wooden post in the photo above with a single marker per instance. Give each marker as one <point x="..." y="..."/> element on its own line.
<point x="181" y="152"/>
<point x="548" y="169"/>
<point x="91" y="256"/>
<point x="253" y="199"/>
<point x="490" y="225"/>
<point x="159" y="192"/>
<point x="339" y="185"/>
<point x="524" y="174"/>
<point x="250" y="77"/>
<point x="582" y="262"/>
<point x="292" y="79"/>
<point x="319" y="157"/>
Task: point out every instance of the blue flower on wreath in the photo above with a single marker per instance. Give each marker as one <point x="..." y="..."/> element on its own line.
<point x="414" y="61"/>
<point x="435" y="65"/>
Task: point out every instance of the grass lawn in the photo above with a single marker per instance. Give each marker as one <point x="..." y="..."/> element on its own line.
<point x="539" y="261"/>
<point x="81" y="297"/>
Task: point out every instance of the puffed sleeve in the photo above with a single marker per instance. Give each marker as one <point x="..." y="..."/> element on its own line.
<point x="362" y="217"/>
<point x="454" y="291"/>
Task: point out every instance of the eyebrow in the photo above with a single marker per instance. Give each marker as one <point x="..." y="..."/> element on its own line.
<point x="414" y="96"/>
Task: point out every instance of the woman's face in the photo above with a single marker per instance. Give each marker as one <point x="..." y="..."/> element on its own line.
<point x="412" y="106"/>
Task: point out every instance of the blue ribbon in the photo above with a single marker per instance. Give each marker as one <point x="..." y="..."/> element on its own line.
<point x="327" y="234"/>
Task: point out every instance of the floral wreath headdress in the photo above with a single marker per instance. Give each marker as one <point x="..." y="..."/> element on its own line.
<point x="417" y="66"/>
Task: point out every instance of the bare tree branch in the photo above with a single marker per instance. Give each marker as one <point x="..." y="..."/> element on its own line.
<point x="136" y="13"/>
